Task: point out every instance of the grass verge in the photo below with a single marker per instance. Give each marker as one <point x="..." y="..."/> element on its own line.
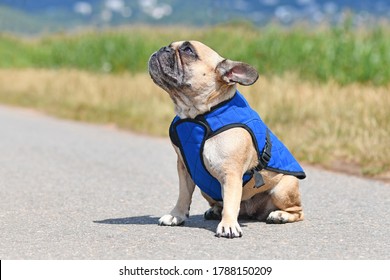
<point x="341" y="54"/>
<point x="321" y="123"/>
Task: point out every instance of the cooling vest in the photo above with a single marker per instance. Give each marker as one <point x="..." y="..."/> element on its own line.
<point x="191" y="134"/>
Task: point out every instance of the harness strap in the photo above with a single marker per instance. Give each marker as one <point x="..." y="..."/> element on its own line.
<point x="265" y="154"/>
<point x="264" y="159"/>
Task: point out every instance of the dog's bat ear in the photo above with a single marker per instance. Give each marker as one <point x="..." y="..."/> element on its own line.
<point x="237" y="72"/>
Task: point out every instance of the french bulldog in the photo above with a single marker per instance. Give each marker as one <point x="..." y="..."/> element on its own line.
<point x="222" y="145"/>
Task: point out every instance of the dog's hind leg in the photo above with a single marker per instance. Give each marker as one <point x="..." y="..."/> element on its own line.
<point x="215" y="211"/>
<point x="286" y="198"/>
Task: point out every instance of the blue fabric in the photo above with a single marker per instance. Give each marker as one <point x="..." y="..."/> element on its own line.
<point x="190" y="134"/>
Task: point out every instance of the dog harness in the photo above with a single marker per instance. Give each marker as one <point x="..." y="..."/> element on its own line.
<point x="190" y="136"/>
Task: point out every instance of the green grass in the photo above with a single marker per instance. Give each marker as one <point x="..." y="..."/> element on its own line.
<point x="340" y="54"/>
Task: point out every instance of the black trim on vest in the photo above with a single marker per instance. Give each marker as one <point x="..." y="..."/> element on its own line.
<point x="174" y="137"/>
<point x="299" y="175"/>
<point x="225" y="128"/>
<point x="240" y="125"/>
<point x="264" y="156"/>
<point x="201" y="118"/>
<point x="222" y="103"/>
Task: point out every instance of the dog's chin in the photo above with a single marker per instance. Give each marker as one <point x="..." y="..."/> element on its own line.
<point x="165" y="81"/>
<point x="162" y="83"/>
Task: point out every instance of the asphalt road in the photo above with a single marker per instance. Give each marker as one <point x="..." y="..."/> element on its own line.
<point x="78" y="191"/>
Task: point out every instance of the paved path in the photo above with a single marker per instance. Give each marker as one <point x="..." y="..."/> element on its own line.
<point x="78" y="191"/>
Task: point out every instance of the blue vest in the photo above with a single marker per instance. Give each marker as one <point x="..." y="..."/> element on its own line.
<point x="190" y="135"/>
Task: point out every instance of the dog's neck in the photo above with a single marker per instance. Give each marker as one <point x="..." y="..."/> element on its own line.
<point x="190" y="107"/>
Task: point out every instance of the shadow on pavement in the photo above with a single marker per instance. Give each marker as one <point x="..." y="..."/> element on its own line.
<point x="195" y="221"/>
<point x="137" y="220"/>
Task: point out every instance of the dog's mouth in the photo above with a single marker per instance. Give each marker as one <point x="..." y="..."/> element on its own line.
<point x="154" y="64"/>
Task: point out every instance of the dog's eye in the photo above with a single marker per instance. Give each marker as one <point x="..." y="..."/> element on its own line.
<point x="187" y="50"/>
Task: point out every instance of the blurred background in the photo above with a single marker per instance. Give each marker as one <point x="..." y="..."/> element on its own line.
<point x="324" y="65"/>
<point x="31" y="17"/>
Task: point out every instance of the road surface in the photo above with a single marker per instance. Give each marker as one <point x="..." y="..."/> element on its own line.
<point x="79" y="191"/>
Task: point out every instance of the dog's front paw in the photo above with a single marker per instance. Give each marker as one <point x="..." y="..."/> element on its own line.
<point x="169" y="220"/>
<point x="228" y="230"/>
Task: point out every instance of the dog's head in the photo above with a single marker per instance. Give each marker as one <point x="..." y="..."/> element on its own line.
<point x="196" y="77"/>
